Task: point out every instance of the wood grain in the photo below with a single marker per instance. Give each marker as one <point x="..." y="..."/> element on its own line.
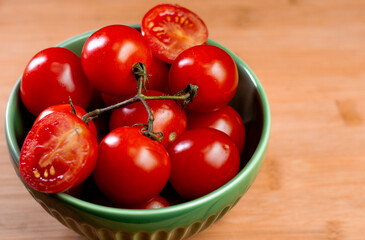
<point x="310" y="57"/>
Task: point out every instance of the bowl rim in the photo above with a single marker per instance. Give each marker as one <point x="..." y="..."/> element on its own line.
<point x="115" y="213"/>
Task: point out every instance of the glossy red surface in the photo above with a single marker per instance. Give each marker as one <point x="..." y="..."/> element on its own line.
<point x="131" y="168"/>
<point x="51" y="77"/>
<point x="109" y="55"/>
<point x="202" y="160"/>
<point x="212" y="70"/>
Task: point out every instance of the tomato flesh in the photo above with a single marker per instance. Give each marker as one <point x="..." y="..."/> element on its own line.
<point x="58" y="153"/>
<point x="170" y="29"/>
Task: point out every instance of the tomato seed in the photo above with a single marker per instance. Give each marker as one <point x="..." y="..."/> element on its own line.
<point x="45" y="174"/>
<point x="52" y="171"/>
<point x="36" y="174"/>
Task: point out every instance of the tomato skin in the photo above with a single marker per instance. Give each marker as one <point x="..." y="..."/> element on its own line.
<point x="111" y="100"/>
<point x="66" y="108"/>
<point x="58" y="153"/>
<point x="170" y="29"/>
<point x="212" y="70"/>
<point x="159" y="75"/>
<point x="169" y="118"/>
<point x="202" y="160"/>
<point x="156" y="81"/>
<point x="155" y="202"/>
<point x="51" y="77"/>
<point x="131" y="168"/>
<point x="225" y="119"/>
<point x="109" y="55"/>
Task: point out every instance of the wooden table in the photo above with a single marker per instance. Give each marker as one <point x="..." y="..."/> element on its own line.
<point x="310" y="57"/>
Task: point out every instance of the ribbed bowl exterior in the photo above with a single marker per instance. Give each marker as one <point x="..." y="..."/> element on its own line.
<point x="91" y="232"/>
<point x="172" y="223"/>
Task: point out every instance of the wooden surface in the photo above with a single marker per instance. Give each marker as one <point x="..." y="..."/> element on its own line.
<point x="310" y="57"/>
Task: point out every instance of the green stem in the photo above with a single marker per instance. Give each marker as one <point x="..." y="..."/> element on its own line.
<point x="139" y="71"/>
<point x="95" y="113"/>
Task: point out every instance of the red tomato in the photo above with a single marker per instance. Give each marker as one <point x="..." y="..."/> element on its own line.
<point x="109" y="55"/>
<point x="155" y="202"/>
<point x="157" y="81"/>
<point x="170" y="29"/>
<point x="202" y="160"/>
<point x="102" y="121"/>
<point x="169" y="118"/>
<point x="225" y="119"/>
<point x="159" y="75"/>
<point x="96" y="100"/>
<point x="212" y="70"/>
<point x="51" y="77"/>
<point x="111" y="100"/>
<point x="58" y="153"/>
<point x="131" y="168"/>
<point x="66" y="108"/>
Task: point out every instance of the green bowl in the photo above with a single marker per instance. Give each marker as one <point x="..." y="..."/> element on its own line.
<point x="175" y="222"/>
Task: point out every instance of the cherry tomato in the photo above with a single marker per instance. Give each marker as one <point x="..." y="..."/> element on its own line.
<point x="225" y="119"/>
<point x="159" y="75"/>
<point x="131" y="168"/>
<point x="96" y="100"/>
<point x="111" y="100"/>
<point x="202" y="160"/>
<point x="157" y="80"/>
<point x="109" y="55"/>
<point x="58" y="153"/>
<point x="102" y="121"/>
<point x="51" y="77"/>
<point x="153" y="203"/>
<point x="170" y="29"/>
<point x="212" y="70"/>
<point x="66" y="108"/>
<point x="169" y="118"/>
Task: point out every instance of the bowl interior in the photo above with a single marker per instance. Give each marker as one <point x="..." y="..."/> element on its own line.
<point x="250" y="101"/>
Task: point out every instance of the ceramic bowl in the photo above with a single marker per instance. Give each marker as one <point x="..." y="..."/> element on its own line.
<point x="175" y="222"/>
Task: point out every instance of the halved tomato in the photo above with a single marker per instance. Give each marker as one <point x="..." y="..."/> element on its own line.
<point x="170" y="29"/>
<point x="66" y="108"/>
<point x="59" y="152"/>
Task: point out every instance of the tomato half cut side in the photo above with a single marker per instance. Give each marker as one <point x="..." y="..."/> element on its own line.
<point x="59" y="152"/>
<point x="170" y="29"/>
